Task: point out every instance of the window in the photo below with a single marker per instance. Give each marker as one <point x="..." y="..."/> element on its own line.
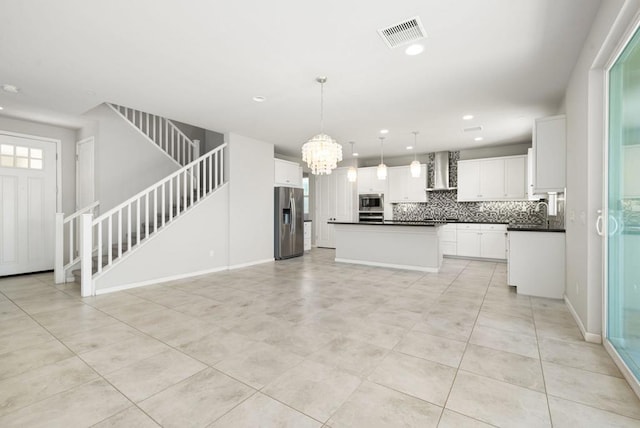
<point x="305" y="187"/>
<point x="20" y="157"/>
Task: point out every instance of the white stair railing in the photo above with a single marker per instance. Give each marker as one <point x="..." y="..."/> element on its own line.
<point x="161" y="131"/>
<point x="67" y="234"/>
<point x="125" y="227"/>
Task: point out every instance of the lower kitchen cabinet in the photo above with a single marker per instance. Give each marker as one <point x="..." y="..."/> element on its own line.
<point x="481" y="240"/>
<point x="537" y="263"/>
<point x="448" y="239"/>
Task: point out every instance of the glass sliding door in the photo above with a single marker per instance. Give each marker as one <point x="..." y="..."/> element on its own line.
<point x="623" y="207"/>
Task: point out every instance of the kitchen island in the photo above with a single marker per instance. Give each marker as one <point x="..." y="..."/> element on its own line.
<point x="401" y="245"/>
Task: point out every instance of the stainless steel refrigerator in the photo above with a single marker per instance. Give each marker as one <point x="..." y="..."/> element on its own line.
<point x="289" y="229"/>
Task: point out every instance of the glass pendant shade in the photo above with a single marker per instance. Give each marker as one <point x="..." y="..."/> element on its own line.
<point x="382" y="172"/>
<point x="322" y="154"/>
<point x="415" y="169"/>
<point x="415" y="165"/>
<point x="352" y="174"/>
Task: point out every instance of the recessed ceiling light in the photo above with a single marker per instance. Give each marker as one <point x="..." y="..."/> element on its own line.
<point x="478" y="139"/>
<point x="10" y="88"/>
<point x="1" y="108"/>
<point x="414" y="49"/>
<point x="467" y="117"/>
<point x="259" y="98"/>
<point x="384" y="131"/>
<point x="409" y="147"/>
<point x="356" y="154"/>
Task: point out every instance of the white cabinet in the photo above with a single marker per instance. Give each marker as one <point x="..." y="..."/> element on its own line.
<point x="481" y="240"/>
<point x="368" y="181"/>
<point x="448" y="239"/>
<point x="492" y="179"/>
<point x="468" y="182"/>
<point x="287" y="173"/>
<point x="307" y="235"/>
<point x="405" y="188"/>
<point x="515" y="177"/>
<point x="549" y="154"/>
<point x="537" y="263"/>
<point x="335" y="201"/>
<point x="530" y="195"/>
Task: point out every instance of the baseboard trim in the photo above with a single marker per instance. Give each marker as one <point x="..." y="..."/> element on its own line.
<point x="257" y="262"/>
<point x="622" y="366"/>
<point x="159" y="280"/>
<point x="589" y="337"/>
<point x="389" y="265"/>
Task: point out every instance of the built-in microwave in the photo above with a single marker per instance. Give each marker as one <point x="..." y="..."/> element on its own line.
<point x="371" y="202"/>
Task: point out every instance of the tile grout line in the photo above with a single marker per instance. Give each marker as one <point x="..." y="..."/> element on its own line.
<point x="455" y="377"/>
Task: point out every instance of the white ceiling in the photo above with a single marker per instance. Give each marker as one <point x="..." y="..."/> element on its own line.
<point x="202" y="61"/>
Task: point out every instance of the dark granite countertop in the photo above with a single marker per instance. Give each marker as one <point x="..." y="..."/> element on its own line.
<point x="389" y="223"/>
<point x="532" y="228"/>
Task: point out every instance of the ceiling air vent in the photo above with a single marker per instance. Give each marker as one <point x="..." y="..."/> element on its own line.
<point x="405" y="32"/>
<point x="473" y="129"/>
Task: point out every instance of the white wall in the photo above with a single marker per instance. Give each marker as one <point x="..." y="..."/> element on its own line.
<point x="126" y="162"/>
<point x="193" y="244"/>
<point x="584" y="103"/>
<point x="250" y="200"/>
<point x="68" y="139"/>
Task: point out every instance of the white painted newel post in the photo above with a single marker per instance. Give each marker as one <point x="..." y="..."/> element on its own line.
<point x="196" y="149"/>
<point x="58" y="266"/>
<point x="86" y="256"/>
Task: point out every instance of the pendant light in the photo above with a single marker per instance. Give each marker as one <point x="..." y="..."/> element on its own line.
<point x="415" y="165"/>
<point x="321" y="153"/>
<point x="352" y="173"/>
<point x="382" y="168"/>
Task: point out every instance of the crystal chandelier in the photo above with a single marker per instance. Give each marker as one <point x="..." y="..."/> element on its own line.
<point x="415" y="165"/>
<point x="382" y="168"/>
<point x="352" y="173"/>
<point x="321" y="153"/>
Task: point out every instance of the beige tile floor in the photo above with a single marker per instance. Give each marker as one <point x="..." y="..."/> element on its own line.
<point x="305" y="342"/>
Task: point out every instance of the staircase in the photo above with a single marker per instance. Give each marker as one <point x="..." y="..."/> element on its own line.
<point x="97" y="244"/>
<point x="162" y="132"/>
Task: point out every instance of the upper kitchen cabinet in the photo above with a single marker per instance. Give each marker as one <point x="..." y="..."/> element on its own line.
<point x="368" y="181"/>
<point x="405" y="188"/>
<point x="492" y="179"/>
<point x="549" y="154"/>
<point x="288" y="174"/>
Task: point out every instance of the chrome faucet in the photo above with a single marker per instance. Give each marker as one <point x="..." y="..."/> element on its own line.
<point x="537" y="209"/>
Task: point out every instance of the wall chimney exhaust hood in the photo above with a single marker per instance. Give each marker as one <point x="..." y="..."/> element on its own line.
<point x="440" y="173"/>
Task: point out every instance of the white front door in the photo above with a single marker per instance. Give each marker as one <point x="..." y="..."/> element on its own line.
<point x="27" y="204"/>
<point x="85" y="189"/>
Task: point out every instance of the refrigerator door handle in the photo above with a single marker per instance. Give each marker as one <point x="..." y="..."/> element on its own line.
<point x="292" y="201"/>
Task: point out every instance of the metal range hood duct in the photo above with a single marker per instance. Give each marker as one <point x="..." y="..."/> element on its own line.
<point x="441" y="172"/>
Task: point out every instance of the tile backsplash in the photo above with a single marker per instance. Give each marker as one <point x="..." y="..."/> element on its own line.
<point x="443" y="205"/>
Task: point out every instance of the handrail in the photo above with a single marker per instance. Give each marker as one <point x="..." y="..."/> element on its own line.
<point x="189" y="140"/>
<point x="128" y="225"/>
<point x="160" y="131"/>
<point x="157" y="184"/>
<point x="81" y="211"/>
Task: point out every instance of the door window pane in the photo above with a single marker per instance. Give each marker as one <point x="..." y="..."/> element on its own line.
<point x="20" y="157"/>
<point x="6" y="149"/>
